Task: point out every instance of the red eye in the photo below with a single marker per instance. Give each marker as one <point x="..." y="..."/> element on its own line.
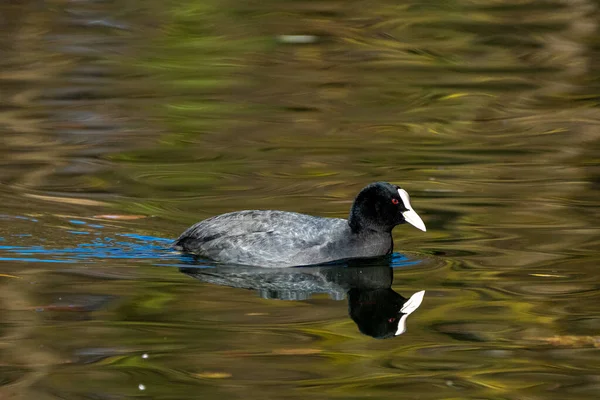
<point x="391" y="320"/>
<point x="395" y="201"/>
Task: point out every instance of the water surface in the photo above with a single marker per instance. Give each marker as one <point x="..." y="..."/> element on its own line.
<point x="121" y="123"/>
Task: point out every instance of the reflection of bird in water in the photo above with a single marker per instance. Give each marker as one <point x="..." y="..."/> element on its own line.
<point x="373" y="305"/>
<point x="382" y="313"/>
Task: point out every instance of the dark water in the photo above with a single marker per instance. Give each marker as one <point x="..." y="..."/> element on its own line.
<point x="123" y="122"/>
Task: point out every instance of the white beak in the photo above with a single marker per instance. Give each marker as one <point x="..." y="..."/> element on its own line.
<point x="411" y="305"/>
<point x="411" y="216"/>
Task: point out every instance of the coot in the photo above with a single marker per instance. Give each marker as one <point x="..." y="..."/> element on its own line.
<point x="285" y="239"/>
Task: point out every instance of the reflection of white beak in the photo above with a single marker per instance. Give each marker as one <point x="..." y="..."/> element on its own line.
<point x="411" y="216"/>
<point x="411" y="305"/>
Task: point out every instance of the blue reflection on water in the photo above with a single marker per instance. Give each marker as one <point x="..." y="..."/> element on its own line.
<point x="120" y="246"/>
<point x="139" y="247"/>
<point x="400" y="260"/>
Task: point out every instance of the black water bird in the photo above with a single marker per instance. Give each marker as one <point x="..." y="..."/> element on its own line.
<point x="284" y="239"/>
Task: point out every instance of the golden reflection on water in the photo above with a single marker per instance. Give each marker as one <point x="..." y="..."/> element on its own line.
<point x="178" y="110"/>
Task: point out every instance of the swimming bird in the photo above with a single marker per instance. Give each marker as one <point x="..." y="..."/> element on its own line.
<point x="269" y="238"/>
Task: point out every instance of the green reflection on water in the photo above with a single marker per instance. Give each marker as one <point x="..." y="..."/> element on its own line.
<point x="487" y="113"/>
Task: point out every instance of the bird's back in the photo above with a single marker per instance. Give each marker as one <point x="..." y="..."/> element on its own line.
<point x="266" y="238"/>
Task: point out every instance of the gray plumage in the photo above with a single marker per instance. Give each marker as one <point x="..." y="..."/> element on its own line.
<point x="283" y="239"/>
